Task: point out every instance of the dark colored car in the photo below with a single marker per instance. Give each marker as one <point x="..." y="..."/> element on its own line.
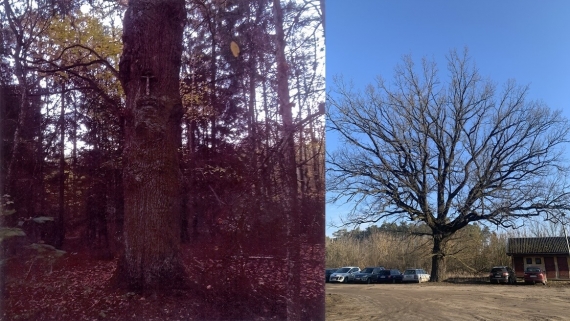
<point x="534" y="274"/>
<point x="366" y="275"/>
<point x="328" y="273"/>
<point x="502" y="274"/>
<point x="388" y="276"/>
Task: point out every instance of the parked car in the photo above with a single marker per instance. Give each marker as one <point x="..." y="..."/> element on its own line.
<point x="328" y="273"/>
<point x="366" y="275"/>
<point x="388" y="276"/>
<point x="415" y="275"/>
<point x="344" y="274"/>
<point x="502" y="274"/>
<point x="534" y="274"/>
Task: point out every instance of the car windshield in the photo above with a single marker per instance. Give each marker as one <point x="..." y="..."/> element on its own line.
<point x="410" y="272"/>
<point x="532" y="269"/>
<point x="343" y="270"/>
<point x="497" y="270"/>
<point x="384" y="272"/>
<point x="367" y="270"/>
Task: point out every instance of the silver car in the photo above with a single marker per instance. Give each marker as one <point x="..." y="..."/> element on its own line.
<point x="415" y="275"/>
<point x="344" y="274"/>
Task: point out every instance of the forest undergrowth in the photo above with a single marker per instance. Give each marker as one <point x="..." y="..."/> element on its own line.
<point x="78" y="287"/>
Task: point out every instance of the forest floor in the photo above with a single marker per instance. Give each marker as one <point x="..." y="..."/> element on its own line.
<point x="448" y="301"/>
<point x="77" y="287"/>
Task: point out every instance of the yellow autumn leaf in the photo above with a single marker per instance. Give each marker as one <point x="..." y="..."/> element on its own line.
<point x="235" y="48"/>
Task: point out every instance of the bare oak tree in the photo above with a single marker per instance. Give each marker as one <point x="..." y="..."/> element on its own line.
<point x="446" y="154"/>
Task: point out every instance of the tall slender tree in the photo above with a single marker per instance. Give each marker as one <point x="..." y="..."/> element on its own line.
<point x="24" y="23"/>
<point x="291" y="197"/>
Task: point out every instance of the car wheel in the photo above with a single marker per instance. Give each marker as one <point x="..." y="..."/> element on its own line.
<point x="345" y="280"/>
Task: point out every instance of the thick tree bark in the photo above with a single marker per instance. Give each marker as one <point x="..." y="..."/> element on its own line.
<point x="438" y="257"/>
<point x="149" y="69"/>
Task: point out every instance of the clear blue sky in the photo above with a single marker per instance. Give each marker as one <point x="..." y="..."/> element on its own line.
<point x="528" y="41"/>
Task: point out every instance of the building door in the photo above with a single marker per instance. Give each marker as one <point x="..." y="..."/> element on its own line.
<point x="550" y="267"/>
<point x="563" y="267"/>
<point x="518" y="263"/>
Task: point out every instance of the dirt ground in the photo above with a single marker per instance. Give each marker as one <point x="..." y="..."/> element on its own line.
<point x="446" y="301"/>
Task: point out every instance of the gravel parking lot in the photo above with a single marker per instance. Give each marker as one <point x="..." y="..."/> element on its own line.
<point x="447" y="301"/>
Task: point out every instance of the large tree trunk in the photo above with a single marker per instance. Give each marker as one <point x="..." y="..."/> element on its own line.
<point x="438" y="267"/>
<point x="150" y="67"/>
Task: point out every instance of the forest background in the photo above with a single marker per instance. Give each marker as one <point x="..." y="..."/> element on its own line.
<point x="250" y="148"/>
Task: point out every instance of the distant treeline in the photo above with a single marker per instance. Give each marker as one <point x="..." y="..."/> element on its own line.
<point x="473" y="250"/>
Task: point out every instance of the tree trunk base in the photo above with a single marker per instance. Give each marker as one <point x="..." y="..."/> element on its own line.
<point x="168" y="275"/>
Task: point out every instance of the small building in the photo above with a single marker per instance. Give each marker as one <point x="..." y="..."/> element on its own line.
<point x="550" y="253"/>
